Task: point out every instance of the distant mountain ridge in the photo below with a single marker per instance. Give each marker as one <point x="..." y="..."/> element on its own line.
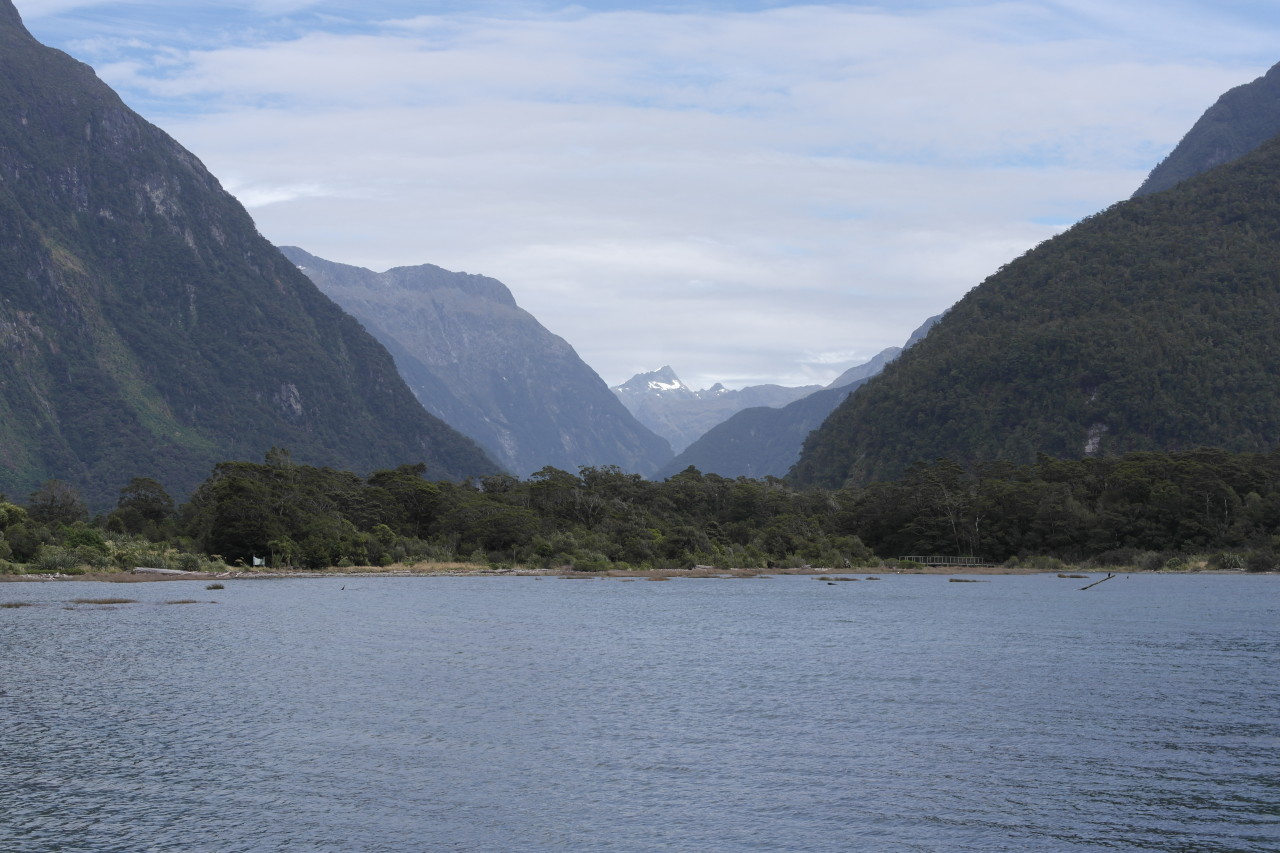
<point x="678" y="413"/>
<point x="1237" y="123"/>
<point x="766" y="441"/>
<point x="147" y="329"/>
<point x="874" y="366"/>
<point x="489" y="369"/>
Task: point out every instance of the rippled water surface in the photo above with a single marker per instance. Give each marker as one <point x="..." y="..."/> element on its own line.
<point x="521" y="714"/>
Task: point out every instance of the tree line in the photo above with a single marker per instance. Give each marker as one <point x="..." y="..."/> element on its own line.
<point x="1146" y="510"/>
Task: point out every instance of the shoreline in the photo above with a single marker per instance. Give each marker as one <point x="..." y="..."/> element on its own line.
<point x="454" y="570"/>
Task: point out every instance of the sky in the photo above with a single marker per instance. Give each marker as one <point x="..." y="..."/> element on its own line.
<point x="746" y="191"/>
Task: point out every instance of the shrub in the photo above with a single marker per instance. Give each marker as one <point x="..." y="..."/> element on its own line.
<point x="1116" y="558"/>
<point x="91" y="557"/>
<point x="83" y="536"/>
<point x="1150" y="561"/>
<point x="136" y="554"/>
<point x="53" y="559"/>
<point x="1043" y="563"/>
<point x="1261" y="561"/>
<point x="188" y="563"/>
<point x="26" y="541"/>
<point x="591" y="563"/>
<point x="1227" y="562"/>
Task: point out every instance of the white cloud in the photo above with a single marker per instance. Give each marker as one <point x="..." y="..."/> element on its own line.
<point x="727" y="192"/>
<point x="253" y="195"/>
<point x="36" y="9"/>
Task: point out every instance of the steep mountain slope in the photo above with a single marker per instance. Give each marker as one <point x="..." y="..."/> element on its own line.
<point x="1240" y="121"/>
<point x="1149" y="326"/>
<point x="489" y="369"/>
<point x="146" y="328"/>
<point x="766" y="442"/>
<point x="876" y="365"/>
<point x="673" y="410"/>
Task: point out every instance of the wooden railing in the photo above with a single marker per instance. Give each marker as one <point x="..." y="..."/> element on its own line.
<point x="935" y="560"/>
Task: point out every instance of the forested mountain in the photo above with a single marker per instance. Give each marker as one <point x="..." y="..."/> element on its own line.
<point x="147" y="329"/>
<point x="1149" y="326"/>
<point x="766" y="442"/>
<point x="486" y="367"/>
<point x="673" y="410"/>
<point x="1240" y="121"/>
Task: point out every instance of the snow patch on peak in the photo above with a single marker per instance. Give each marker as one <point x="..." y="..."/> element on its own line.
<point x="656" y="382"/>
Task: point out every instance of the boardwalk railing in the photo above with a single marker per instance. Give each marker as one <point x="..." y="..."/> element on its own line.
<point x="934" y="560"/>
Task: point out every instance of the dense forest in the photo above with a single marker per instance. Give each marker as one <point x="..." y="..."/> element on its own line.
<point x="1145" y="510"/>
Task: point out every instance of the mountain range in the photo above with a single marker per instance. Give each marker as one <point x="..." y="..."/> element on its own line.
<point x="147" y="329"/>
<point x="765" y="441"/>
<point x="673" y="410"/>
<point x="486" y="367"/>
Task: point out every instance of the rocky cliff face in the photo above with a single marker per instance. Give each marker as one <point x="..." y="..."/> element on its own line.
<point x="673" y="410"/>
<point x="146" y="328"/>
<point x="488" y="368"/>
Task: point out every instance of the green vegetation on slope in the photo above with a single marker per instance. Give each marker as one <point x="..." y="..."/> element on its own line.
<point x="1149" y="326"/>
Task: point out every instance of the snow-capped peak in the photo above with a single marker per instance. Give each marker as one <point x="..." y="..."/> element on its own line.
<point x="659" y="382"/>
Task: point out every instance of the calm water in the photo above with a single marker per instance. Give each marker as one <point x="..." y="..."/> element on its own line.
<point x="515" y="714"/>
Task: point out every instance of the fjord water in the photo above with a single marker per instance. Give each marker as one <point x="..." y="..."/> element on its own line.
<point x="521" y="714"/>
